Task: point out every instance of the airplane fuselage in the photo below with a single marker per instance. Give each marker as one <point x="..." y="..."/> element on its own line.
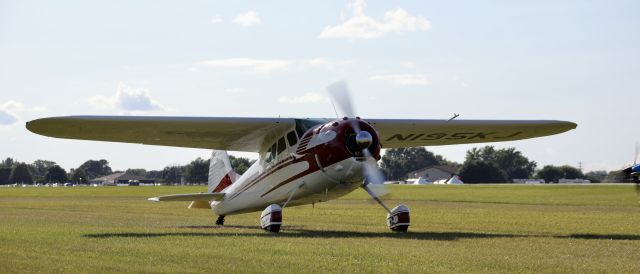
<point x="318" y="168"/>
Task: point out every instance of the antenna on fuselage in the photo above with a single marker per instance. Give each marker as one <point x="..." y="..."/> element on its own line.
<point x="335" y="110"/>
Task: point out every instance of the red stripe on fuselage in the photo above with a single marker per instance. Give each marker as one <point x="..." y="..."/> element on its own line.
<point x="278" y="166"/>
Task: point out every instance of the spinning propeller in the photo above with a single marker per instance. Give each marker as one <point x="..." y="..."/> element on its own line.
<point x="374" y="178"/>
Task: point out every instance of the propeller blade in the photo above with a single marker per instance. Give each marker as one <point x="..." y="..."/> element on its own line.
<point x="374" y="178"/>
<point x="340" y="95"/>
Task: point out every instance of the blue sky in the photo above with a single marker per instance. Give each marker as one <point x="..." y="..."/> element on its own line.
<point x="567" y="60"/>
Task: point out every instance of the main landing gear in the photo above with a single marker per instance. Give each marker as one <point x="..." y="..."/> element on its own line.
<point x="397" y="218"/>
<point x="271" y="218"/>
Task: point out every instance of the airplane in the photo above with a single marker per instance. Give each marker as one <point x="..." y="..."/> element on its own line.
<point x="634" y="170"/>
<point x="301" y="161"/>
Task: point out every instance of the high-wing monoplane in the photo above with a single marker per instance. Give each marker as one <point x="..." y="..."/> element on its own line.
<point x="301" y="161"/>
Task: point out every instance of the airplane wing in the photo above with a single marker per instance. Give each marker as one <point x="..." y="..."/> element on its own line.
<point x="216" y="196"/>
<point x="396" y="133"/>
<point x="247" y="134"/>
<point x="236" y="134"/>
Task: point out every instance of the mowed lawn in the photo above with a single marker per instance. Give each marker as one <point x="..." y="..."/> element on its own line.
<point x="466" y="228"/>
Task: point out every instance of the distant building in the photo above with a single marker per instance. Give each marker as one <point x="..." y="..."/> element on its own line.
<point x="573" y="181"/>
<point x="433" y="173"/>
<point x="529" y="181"/>
<point x="121" y="178"/>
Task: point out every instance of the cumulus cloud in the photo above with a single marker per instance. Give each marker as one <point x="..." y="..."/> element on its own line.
<point x="253" y="65"/>
<point x="10" y="109"/>
<point x="7" y="118"/>
<point x="361" y="26"/>
<point x="402" y="79"/>
<point x="248" y="19"/>
<point x="309" y="97"/>
<point x="128" y="99"/>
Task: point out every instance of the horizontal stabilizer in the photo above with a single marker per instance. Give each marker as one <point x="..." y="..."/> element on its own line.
<point x="189" y="197"/>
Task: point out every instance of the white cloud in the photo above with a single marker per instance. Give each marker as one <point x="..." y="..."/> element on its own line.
<point x="128" y="99"/>
<point x="216" y="19"/>
<point x="7" y="118"/>
<point x="10" y="109"/>
<point x="402" y="79"/>
<point x="321" y="62"/>
<point x="254" y="65"/>
<point x="309" y="97"/>
<point x="250" y="18"/>
<point x="361" y="26"/>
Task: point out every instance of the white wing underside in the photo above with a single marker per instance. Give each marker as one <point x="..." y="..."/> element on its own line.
<point x="249" y="134"/>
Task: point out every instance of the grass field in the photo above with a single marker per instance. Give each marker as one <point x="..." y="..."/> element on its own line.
<point x="467" y="228"/>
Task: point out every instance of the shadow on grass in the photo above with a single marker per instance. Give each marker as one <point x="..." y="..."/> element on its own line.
<point x="302" y="233"/>
<point x="601" y="237"/>
<point x="295" y="232"/>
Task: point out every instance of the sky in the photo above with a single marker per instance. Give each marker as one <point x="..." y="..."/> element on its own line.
<point x="577" y="61"/>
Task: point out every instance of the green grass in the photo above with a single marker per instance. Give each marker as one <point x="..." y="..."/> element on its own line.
<point x="468" y="228"/>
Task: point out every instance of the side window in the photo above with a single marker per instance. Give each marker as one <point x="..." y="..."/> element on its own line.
<point x="281" y="145"/>
<point x="273" y="152"/>
<point x="291" y="137"/>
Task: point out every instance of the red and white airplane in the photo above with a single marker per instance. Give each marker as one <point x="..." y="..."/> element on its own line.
<point x="301" y="161"/>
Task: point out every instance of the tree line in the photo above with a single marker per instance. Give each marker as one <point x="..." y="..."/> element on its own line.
<point x="482" y="165"/>
<point x="487" y="165"/>
<point x="44" y="171"/>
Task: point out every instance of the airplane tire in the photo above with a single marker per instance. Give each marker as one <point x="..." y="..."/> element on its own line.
<point x="401" y="228"/>
<point x="273" y="228"/>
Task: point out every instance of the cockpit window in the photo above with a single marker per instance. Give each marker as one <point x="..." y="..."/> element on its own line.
<point x="273" y="152"/>
<point x="281" y="145"/>
<point x="291" y="137"/>
<point x="302" y="125"/>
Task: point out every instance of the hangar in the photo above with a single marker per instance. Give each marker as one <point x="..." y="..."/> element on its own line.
<point x="433" y="173"/>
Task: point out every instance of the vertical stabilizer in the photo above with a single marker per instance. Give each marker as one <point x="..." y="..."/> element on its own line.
<point x="221" y="175"/>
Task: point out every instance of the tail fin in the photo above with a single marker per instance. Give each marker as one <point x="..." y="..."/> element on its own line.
<point x="221" y="175"/>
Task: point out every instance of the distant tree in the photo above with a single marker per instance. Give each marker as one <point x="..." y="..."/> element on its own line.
<point x="42" y="166"/>
<point x="477" y="172"/>
<point x="94" y="169"/>
<point x="20" y="174"/>
<point x="154" y="174"/>
<point x="197" y="171"/>
<point x="397" y="162"/>
<point x="240" y="164"/>
<point x="551" y="174"/>
<point x="56" y="174"/>
<point x="9" y="162"/>
<point x="5" y="174"/>
<point x="617" y="176"/>
<point x="570" y="172"/>
<point x="596" y="176"/>
<point x="172" y="174"/>
<point x="138" y="171"/>
<point x="79" y="177"/>
<point x="510" y="160"/>
<point x="39" y="169"/>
